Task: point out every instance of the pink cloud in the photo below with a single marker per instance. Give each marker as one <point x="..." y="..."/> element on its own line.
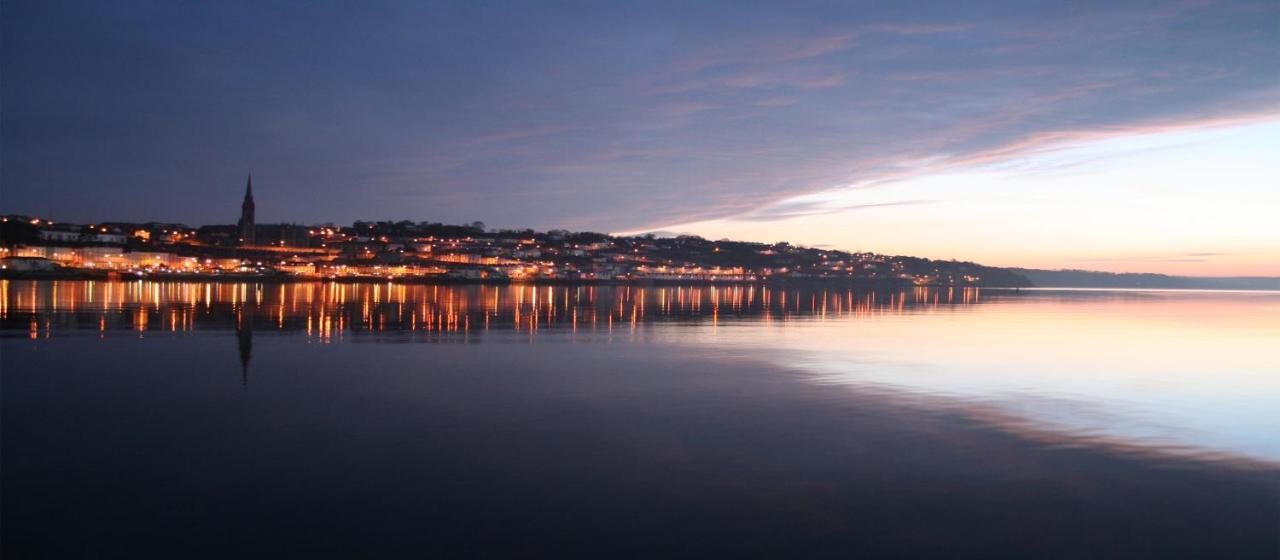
<point x="1046" y="141"/>
<point x="822" y="82"/>
<point x="917" y="29"/>
<point x="506" y="136"/>
<point x="777" y="102"/>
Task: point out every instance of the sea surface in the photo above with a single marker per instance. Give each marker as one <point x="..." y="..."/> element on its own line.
<point x="327" y="420"/>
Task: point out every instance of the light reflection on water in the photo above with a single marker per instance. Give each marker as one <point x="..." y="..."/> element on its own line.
<point x="329" y="311"/>
<point x="227" y="420"/>
<point x="1188" y="372"/>
<point x="1193" y="372"/>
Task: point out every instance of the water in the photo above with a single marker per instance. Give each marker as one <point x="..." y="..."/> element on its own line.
<point x="330" y="420"/>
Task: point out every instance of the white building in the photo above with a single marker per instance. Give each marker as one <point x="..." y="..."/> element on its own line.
<point x="61" y="232"/>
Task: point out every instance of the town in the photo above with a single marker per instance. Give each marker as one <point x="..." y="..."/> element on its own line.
<point x="426" y="251"/>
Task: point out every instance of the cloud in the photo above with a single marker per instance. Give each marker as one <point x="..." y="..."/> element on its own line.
<point x="722" y="82"/>
<point x="795" y="209"/>
<point x="924" y="104"/>
<point x="606" y="118"/>
<point x="769" y="50"/>
<point x="777" y="101"/>
<point x="1195" y="257"/>
<point x="1045" y="141"/>
<point x="918" y="28"/>
<point x="521" y="134"/>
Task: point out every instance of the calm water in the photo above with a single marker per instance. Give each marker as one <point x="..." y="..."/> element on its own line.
<point x="327" y="420"/>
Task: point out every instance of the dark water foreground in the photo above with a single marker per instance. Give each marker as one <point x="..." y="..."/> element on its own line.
<point x="240" y="435"/>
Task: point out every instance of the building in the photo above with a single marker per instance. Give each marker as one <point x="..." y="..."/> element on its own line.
<point x="248" y="233"/>
<point x="65" y="233"/>
<point x="28" y="264"/>
<point x="107" y="235"/>
<point x="282" y="235"/>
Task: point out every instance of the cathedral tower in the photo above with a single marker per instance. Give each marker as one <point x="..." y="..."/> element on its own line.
<point x="247" y="236"/>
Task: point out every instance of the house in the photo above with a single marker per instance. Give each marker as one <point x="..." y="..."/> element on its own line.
<point x="108" y="236"/>
<point x="64" y="233"/>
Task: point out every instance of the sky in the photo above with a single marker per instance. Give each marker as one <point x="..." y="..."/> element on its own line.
<point x="1110" y="136"/>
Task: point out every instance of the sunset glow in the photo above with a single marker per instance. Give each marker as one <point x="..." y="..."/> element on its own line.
<point x="1197" y="201"/>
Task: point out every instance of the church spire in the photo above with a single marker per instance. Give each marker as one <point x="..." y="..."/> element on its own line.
<point x="247" y="227"/>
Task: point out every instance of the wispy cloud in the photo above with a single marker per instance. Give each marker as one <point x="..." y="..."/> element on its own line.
<point x="777" y="101"/>
<point x="521" y="134"/>
<point x="917" y="28"/>
<point x="769" y="50"/>
<point x="1045" y="141"/>
<point x="794" y="209"/>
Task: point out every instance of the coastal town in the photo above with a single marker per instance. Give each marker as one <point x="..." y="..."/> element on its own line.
<point x="427" y="251"/>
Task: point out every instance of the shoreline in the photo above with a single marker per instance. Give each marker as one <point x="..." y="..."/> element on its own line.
<point x="98" y="275"/>
<point x="80" y="274"/>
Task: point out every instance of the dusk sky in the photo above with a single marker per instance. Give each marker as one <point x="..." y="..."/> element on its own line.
<point x="1109" y="136"/>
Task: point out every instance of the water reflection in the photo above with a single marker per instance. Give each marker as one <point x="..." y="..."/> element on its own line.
<point x="736" y="422"/>
<point x="1187" y="372"/>
<point x="328" y="312"/>
<point x="244" y="343"/>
